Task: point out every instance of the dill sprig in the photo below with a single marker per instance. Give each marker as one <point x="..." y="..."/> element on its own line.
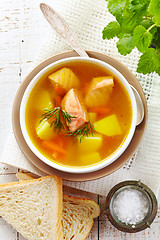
<point x="86" y="130"/>
<point x="55" y="113"/>
<point x="67" y="117"/>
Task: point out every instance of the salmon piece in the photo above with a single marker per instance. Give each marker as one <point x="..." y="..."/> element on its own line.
<point x="99" y="91"/>
<point x="72" y="104"/>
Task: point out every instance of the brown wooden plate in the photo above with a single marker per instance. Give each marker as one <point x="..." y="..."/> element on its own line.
<point x="85" y="176"/>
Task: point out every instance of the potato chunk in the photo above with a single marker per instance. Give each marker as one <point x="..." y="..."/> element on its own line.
<point x="65" y="78"/>
<point x="90" y="158"/>
<point x="43" y="100"/>
<point x="90" y="143"/>
<point x="92" y="117"/>
<point x="99" y="91"/>
<point x="44" y="131"/>
<point x="108" y="126"/>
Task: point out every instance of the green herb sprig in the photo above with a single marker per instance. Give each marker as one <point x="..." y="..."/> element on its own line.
<point x="137" y="25"/>
<point x="49" y="113"/>
<point x="87" y="129"/>
<point x="59" y="126"/>
<point x="55" y="113"/>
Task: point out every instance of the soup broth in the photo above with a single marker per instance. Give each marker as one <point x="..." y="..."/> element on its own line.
<point x="62" y="146"/>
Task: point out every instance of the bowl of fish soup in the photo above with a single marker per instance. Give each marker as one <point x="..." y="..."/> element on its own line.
<point x="78" y="115"/>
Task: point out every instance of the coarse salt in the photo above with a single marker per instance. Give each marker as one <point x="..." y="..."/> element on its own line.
<point x="130" y="206"/>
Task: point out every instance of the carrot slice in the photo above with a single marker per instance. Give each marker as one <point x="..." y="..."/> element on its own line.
<point x="52" y="146"/>
<point x="59" y="90"/>
<point x="58" y="100"/>
<point x="85" y="89"/>
<point x="99" y="109"/>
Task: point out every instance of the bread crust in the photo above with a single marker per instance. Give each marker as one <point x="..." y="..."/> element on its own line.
<point x="78" y="199"/>
<point x="58" y="179"/>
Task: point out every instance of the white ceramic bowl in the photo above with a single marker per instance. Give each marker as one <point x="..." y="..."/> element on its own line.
<point x="87" y="169"/>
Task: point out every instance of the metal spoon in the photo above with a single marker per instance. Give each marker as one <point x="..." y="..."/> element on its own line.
<point x="140" y="106"/>
<point x="63" y="29"/>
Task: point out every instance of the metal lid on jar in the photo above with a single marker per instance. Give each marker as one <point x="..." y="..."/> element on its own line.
<point x="131" y="206"/>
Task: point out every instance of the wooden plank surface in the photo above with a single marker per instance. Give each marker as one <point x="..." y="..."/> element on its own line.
<point x="22" y="32"/>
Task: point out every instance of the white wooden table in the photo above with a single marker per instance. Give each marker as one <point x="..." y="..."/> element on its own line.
<point x="22" y="32"/>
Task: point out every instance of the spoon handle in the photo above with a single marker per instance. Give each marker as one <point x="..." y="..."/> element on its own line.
<point x="62" y="28"/>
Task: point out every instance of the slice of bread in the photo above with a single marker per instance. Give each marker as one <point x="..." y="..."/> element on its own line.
<point x="34" y="207"/>
<point x="78" y="214"/>
<point x="77" y="217"/>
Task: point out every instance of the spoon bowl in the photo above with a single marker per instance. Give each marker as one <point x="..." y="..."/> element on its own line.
<point x="140" y="107"/>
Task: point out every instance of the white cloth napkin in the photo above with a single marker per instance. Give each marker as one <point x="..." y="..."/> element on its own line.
<point x="87" y="18"/>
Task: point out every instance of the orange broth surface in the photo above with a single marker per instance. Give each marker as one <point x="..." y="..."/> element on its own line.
<point x="119" y="104"/>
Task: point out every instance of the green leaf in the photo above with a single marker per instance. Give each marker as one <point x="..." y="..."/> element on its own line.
<point x="132" y="16"/>
<point x="154" y="9"/>
<point x="139" y="5"/>
<point x="149" y="62"/>
<point x="147" y="23"/>
<point x="129" y="21"/>
<point x="125" y="44"/>
<point x="156" y="39"/>
<point x="141" y="38"/>
<point x="116" y="7"/>
<point x="111" y="30"/>
<point x="121" y="34"/>
<point x="158" y="71"/>
<point x="158" y="54"/>
<point x="140" y="2"/>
